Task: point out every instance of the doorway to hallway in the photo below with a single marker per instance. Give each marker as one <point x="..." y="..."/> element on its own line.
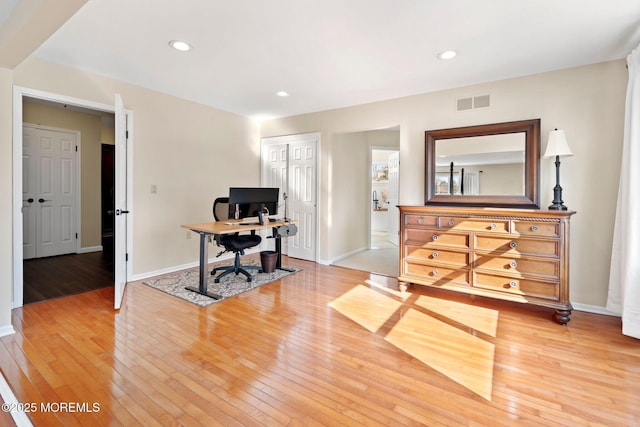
<point x="369" y="240"/>
<point x="80" y="263"/>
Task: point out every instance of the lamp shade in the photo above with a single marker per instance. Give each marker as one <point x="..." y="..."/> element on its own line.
<point x="557" y="145"/>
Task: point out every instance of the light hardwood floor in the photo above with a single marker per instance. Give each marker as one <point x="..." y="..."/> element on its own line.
<point x="326" y="346"/>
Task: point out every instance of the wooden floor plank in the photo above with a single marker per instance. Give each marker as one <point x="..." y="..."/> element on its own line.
<point x="325" y="346"/>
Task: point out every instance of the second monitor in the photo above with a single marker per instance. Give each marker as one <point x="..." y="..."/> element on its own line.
<point x="246" y="202"/>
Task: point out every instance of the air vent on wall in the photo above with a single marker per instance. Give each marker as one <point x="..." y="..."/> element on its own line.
<point x="472" y="103"/>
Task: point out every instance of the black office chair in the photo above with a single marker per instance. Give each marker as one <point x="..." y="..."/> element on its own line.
<point x="235" y="243"/>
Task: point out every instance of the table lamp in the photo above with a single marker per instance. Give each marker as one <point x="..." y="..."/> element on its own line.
<point x="558" y="147"/>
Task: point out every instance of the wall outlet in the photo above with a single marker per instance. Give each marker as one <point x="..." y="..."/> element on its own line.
<point x="189" y="233"/>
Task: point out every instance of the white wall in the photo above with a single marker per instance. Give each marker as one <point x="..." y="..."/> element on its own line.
<point x="350" y="221"/>
<point x="587" y="102"/>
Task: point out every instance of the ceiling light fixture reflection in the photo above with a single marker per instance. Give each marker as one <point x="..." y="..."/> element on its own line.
<point x="180" y="45"/>
<point x="282" y="94"/>
<point x="447" y="54"/>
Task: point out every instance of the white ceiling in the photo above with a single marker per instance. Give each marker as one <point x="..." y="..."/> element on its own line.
<point x="335" y="53"/>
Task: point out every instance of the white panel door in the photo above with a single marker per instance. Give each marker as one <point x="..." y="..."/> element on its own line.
<point x="121" y="256"/>
<point x="29" y="192"/>
<point x="302" y="198"/>
<point x="49" y="192"/>
<point x="393" y="189"/>
<point x="290" y="162"/>
<point x="274" y="172"/>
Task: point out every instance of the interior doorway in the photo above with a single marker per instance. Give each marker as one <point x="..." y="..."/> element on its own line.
<point x="369" y="239"/>
<point x="385" y="168"/>
<point x="88" y="264"/>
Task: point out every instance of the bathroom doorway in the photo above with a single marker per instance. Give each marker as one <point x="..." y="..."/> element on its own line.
<point x="385" y="166"/>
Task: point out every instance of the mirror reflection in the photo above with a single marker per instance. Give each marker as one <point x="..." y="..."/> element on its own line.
<point x="481" y="165"/>
<point x="500" y="161"/>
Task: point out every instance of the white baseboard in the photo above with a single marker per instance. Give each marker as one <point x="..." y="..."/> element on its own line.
<point x="596" y="309"/>
<point x="90" y="249"/>
<point x="348" y="254"/>
<point x="19" y="417"/>
<point x="175" y="268"/>
<point x="7" y="330"/>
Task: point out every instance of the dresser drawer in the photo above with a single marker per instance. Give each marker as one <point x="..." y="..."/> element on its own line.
<point x="426" y="220"/>
<point x="518" y="246"/>
<point x="524" y="287"/>
<point x="437" y="274"/>
<point x="474" y="224"/>
<point x="521" y="266"/>
<point x="437" y="255"/>
<point x="532" y="228"/>
<point x="429" y="238"/>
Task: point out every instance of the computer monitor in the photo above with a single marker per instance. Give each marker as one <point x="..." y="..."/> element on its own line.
<point x="245" y="202"/>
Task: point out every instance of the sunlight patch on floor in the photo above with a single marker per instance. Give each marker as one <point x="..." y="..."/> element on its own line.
<point x="398" y="294"/>
<point x="451" y="350"/>
<point x="478" y="318"/>
<point x="366" y="307"/>
<point x="465" y="358"/>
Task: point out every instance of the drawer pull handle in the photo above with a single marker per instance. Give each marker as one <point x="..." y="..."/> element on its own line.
<point x="493" y="225"/>
<point x="451" y="222"/>
<point x="513" y="264"/>
<point x="420" y="220"/>
<point x="435" y="272"/>
<point x="513" y="245"/>
<point x="435" y="237"/>
<point x="513" y="284"/>
<point x="534" y="228"/>
<point x="434" y="255"/>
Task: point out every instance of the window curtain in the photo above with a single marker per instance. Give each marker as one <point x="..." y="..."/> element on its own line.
<point x="471" y="183"/>
<point x="624" y="276"/>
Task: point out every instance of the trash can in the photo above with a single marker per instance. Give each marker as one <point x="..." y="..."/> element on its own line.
<point x="268" y="260"/>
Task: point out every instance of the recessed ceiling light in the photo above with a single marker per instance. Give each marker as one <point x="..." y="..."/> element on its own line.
<point x="447" y="54"/>
<point x="180" y="45"/>
<point x="282" y="93"/>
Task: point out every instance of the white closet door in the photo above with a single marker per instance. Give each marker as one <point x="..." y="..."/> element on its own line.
<point x="290" y="163"/>
<point x="49" y="192"/>
<point x="302" y="198"/>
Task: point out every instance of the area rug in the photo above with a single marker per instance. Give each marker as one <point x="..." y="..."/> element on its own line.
<point x="229" y="286"/>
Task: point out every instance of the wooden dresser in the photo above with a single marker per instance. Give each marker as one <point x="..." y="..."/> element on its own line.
<point x="511" y="254"/>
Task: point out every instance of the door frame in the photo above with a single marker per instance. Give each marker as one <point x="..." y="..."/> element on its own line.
<point x="18" y="93"/>
<point x="78" y="169"/>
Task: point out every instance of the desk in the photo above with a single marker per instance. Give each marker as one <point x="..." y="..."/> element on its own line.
<point x="207" y="229"/>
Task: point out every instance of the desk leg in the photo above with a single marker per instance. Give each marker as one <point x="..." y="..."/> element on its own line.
<point x="204" y="276"/>
<point x="279" y="252"/>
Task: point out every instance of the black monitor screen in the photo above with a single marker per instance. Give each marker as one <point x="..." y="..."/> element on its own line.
<point x="247" y="201"/>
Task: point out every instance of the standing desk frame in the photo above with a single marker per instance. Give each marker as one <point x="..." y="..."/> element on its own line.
<point x="207" y="229"/>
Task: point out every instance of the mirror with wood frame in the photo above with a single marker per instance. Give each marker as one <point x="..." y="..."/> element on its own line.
<point x="496" y="165"/>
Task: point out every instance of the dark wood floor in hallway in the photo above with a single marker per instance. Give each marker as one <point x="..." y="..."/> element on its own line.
<point x="63" y="275"/>
<point x="325" y="346"/>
